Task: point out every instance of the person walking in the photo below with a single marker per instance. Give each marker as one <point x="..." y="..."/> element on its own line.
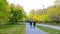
<point x="34" y="24"/>
<point x="30" y="24"/>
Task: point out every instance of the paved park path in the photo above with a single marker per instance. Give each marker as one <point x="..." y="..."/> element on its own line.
<point x="50" y="26"/>
<point x="33" y="30"/>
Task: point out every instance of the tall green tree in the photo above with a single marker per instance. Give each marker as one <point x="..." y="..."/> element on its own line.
<point x="18" y="13"/>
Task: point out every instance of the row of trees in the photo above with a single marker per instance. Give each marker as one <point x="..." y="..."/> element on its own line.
<point x="51" y="14"/>
<point x="37" y="14"/>
<point x="10" y="13"/>
<point x="54" y="12"/>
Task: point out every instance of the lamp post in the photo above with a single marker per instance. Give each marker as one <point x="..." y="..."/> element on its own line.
<point x="43" y="16"/>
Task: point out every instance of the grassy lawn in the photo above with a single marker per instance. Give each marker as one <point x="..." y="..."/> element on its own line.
<point x="13" y="29"/>
<point x="49" y="30"/>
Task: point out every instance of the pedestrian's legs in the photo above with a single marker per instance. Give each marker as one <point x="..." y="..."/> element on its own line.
<point x="30" y="24"/>
<point x="34" y="26"/>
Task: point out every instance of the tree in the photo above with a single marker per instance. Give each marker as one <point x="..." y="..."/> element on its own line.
<point x="54" y="12"/>
<point x="18" y="13"/>
<point x="4" y="12"/>
<point x="10" y="13"/>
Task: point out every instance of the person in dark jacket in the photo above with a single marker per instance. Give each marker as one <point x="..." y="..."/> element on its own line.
<point x="30" y="24"/>
<point x="34" y="24"/>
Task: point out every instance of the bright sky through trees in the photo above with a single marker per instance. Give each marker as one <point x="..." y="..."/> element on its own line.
<point x="33" y="4"/>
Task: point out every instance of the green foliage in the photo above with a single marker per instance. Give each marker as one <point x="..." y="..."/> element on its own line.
<point x="10" y="13"/>
<point x="18" y="13"/>
<point x="3" y="12"/>
<point x="54" y="12"/>
<point x="51" y="14"/>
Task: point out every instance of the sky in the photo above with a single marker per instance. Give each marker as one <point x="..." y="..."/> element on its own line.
<point x="33" y="4"/>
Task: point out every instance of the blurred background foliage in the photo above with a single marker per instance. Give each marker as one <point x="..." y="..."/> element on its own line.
<point x="12" y="14"/>
<point x="51" y="14"/>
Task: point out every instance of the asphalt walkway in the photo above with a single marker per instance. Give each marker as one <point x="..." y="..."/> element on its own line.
<point x="33" y="30"/>
<point x="50" y="26"/>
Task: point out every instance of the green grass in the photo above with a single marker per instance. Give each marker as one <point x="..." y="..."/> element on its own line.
<point x="49" y="30"/>
<point x="13" y="29"/>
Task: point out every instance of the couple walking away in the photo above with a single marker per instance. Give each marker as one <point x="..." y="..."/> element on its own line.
<point x="34" y="24"/>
